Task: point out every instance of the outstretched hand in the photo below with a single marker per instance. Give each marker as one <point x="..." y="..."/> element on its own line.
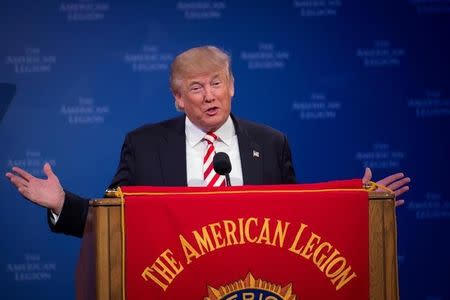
<point x="397" y="183"/>
<point x="44" y="192"/>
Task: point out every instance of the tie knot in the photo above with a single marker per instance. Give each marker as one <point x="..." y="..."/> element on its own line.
<point x="210" y="137"/>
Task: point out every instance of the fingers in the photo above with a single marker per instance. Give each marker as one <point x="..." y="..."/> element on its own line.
<point x="48" y="170"/>
<point x="399" y="183"/>
<point x="23" y="173"/>
<point x="401" y="191"/>
<point x="390" y="179"/>
<point x="20" y="183"/>
<point x="399" y="202"/>
<point x="17" y="181"/>
<point x="367" y="176"/>
<point x="396" y="183"/>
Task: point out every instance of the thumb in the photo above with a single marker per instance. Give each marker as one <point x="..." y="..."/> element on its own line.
<point x="367" y="176"/>
<point x="48" y="170"/>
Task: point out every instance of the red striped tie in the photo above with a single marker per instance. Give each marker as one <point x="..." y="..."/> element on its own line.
<point x="209" y="175"/>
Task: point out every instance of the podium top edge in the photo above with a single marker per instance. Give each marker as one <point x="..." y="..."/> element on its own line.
<point x="381" y="196"/>
<point x="373" y="196"/>
<point x="105" y="202"/>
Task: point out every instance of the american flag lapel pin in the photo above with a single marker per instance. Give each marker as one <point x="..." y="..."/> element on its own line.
<point x="255" y="153"/>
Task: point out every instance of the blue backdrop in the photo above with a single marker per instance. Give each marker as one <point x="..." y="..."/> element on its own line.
<point x="352" y="84"/>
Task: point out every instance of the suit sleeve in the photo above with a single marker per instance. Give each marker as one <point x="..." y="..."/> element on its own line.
<point x="72" y="219"/>
<point x="287" y="168"/>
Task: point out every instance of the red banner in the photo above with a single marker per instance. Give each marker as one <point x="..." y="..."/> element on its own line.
<point x="251" y="242"/>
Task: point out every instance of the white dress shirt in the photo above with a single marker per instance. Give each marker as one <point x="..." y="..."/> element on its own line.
<point x="196" y="147"/>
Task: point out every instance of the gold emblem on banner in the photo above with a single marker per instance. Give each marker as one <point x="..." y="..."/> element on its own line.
<point x="251" y="288"/>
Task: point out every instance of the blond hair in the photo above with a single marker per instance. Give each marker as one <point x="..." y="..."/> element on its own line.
<point x="198" y="61"/>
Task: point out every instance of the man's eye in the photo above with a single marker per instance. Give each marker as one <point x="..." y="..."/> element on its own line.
<point x="216" y="83"/>
<point x="195" y="88"/>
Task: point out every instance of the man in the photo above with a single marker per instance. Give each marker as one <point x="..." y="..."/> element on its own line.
<point x="178" y="152"/>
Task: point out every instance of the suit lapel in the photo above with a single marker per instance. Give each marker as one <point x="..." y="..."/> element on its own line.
<point x="173" y="154"/>
<point x="251" y="155"/>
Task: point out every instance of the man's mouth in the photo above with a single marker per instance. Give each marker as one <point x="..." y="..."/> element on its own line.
<point x="212" y="111"/>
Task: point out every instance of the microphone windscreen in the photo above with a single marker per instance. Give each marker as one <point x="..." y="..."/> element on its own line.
<point x="221" y="163"/>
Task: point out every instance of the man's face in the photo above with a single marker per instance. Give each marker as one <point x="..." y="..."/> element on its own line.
<point x="206" y="100"/>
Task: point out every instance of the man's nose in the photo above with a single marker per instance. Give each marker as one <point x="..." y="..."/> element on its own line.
<point x="209" y="95"/>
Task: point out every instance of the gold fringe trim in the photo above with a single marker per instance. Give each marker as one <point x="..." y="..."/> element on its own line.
<point x="373" y="186"/>
<point x="120" y="194"/>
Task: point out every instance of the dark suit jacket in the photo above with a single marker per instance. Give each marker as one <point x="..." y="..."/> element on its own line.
<point x="155" y="155"/>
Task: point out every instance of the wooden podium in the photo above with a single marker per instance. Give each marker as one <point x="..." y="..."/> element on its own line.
<point x="99" y="270"/>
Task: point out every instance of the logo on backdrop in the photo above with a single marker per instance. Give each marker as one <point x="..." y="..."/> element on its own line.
<point x="433" y="207"/>
<point x="317" y="8"/>
<point x="149" y="59"/>
<point x="201" y="10"/>
<point x="432" y="105"/>
<point x="381" y="54"/>
<point x="84" y="10"/>
<point x="266" y="57"/>
<point x="316" y="107"/>
<point x="85" y="112"/>
<point x="251" y="288"/>
<point x="381" y="157"/>
<point x="31" y="61"/>
<point x="32" y="162"/>
<point x="430" y="7"/>
<point x="31" y="269"/>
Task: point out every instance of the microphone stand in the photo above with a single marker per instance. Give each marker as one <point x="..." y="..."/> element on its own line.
<point x="227" y="179"/>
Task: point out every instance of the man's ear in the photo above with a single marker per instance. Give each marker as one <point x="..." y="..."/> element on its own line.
<point x="179" y="100"/>
<point x="231" y="88"/>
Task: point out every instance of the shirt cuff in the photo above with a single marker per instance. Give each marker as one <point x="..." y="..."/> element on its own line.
<point x="53" y="217"/>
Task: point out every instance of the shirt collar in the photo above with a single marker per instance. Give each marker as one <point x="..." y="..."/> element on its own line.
<point x="195" y="135"/>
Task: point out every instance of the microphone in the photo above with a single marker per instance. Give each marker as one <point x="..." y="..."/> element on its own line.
<point x="222" y="166"/>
